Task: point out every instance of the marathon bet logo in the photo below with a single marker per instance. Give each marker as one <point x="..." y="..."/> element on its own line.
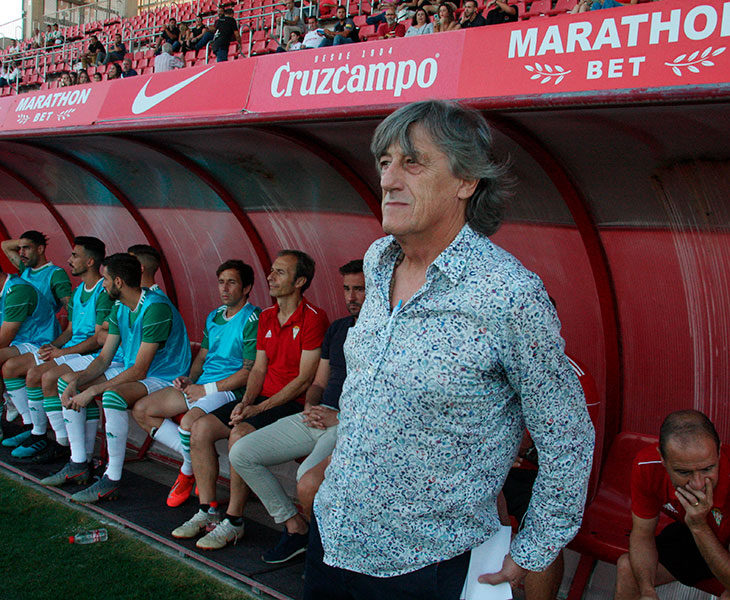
<point x="356" y="75"/>
<point x="68" y="98"/>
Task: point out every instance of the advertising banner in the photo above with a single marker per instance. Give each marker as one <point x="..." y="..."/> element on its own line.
<point x="361" y="74"/>
<point x="650" y="45"/>
<point x="59" y="107"/>
<point x="212" y="89"/>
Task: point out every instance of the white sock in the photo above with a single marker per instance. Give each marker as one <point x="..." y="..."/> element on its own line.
<point x="187" y="466"/>
<point x="91" y="428"/>
<point x="117" y="428"/>
<point x="168" y="435"/>
<point x="20" y="400"/>
<point x="76" y="428"/>
<point x="54" y="412"/>
<point x="38" y="416"/>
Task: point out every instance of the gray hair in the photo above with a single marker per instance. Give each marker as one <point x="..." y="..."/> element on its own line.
<point x="167" y="47"/>
<point x="464" y="136"/>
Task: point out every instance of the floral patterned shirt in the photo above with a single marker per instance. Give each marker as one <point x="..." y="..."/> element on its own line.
<point x="438" y="393"/>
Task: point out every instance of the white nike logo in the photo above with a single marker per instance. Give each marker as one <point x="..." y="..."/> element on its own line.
<point x="142" y="103"/>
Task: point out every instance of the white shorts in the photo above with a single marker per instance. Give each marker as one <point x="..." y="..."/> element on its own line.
<point x="211" y="402"/>
<point x="26" y="348"/>
<point x="68" y="359"/>
<point x="154" y="383"/>
<point x="113" y="370"/>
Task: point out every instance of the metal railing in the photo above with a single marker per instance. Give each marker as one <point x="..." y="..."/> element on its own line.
<point x="81" y="15"/>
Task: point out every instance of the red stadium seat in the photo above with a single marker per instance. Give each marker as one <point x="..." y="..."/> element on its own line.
<point x="538" y="8"/>
<point x="563" y="6"/>
<point x="360" y="20"/>
<point x="368" y="32"/>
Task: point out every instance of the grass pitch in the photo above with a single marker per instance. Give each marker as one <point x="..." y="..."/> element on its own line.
<point x="38" y="563"/>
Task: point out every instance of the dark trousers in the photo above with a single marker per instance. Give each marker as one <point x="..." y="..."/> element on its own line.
<point x="440" y="581"/>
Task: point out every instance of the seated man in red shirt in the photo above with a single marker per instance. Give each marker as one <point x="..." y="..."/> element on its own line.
<point x="391" y="28"/>
<point x="686" y="477"/>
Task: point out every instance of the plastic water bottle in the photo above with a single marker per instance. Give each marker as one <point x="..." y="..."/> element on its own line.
<point x="89" y="537"/>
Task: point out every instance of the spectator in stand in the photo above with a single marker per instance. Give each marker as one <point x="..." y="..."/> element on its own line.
<point x="291" y="20"/>
<point x="56" y="37"/>
<point x="685" y="477"/>
<point x="83" y="77"/>
<point x="344" y="32"/>
<point x="197" y="31"/>
<point x="586" y="5"/>
<point x="165" y="61"/>
<point x="208" y="35"/>
<point x="407" y="9"/>
<point x="127" y="70"/>
<point x="74" y="77"/>
<point x="313" y="38"/>
<point x="471" y="17"/>
<point x="391" y="28"/>
<point x="114" y="72"/>
<point x="37" y="40"/>
<point x="226" y="29"/>
<point x="95" y="53"/>
<point x="376" y="18"/>
<point x="420" y="24"/>
<point x="446" y="18"/>
<point x="185" y="36"/>
<point x="117" y="50"/>
<point x="14" y="48"/>
<point x="170" y="34"/>
<point x="500" y="12"/>
<point x="11" y="75"/>
<point x="48" y="38"/>
<point x="66" y="80"/>
<point x="95" y="77"/>
<point x="295" y="41"/>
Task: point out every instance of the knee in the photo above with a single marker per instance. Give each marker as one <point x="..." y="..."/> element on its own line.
<point x="237" y="433"/>
<point x="48" y="380"/>
<point x="187" y="421"/>
<point x="238" y="455"/>
<point x="34" y="377"/>
<point x="9" y="369"/>
<point x="201" y="432"/>
<point x="307" y="486"/>
<point x="140" y="411"/>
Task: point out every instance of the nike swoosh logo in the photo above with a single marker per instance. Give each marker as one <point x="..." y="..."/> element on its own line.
<point x="143" y="102"/>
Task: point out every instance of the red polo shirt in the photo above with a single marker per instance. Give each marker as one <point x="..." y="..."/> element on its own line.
<point x="652" y="491"/>
<point x="283" y="345"/>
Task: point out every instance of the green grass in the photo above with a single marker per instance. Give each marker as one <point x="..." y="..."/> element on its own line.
<point x="37" y="562"/>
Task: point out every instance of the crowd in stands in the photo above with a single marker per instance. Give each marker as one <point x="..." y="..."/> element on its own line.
<point x="44" y="59"/>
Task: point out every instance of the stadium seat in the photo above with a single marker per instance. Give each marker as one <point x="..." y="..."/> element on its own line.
<point x="538" y="8"/>
<point x="360" y="20"/>
<point x="368" y="33"/>
<point x="562" y="6"/>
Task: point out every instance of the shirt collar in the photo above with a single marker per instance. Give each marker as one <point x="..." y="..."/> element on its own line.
<point x="451" y="262"/>
<point x="297" y="315"/>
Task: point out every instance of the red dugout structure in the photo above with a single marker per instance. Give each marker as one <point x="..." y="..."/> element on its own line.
<point x="615" y="123"/>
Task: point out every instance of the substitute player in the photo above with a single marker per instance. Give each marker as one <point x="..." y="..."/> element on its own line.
<point x="40" y="370"/>
<point x="156" y="350"/>
<point x="218" y="375"/>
